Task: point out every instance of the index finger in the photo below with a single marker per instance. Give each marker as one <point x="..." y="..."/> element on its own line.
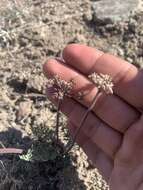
<point x="127" y="78"/>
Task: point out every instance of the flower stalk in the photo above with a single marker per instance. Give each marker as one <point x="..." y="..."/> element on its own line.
<point x="104" y="84"/>
<point x="58" y="120"/>
<point x="68" y="148"/>
<point x="61" y="89"/>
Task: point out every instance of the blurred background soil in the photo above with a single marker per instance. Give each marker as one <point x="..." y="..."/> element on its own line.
<point x="30" y="33"/>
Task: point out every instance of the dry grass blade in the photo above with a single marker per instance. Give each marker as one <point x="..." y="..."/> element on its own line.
<point x="10" y="151"/>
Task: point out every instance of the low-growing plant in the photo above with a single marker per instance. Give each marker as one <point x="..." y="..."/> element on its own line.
<point x="62" y="88"/>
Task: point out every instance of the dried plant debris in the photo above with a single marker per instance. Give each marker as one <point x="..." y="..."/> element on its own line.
<point x="24" y="110"/>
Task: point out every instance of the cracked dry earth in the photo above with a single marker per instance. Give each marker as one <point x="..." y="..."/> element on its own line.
<point x="31" y="32"/>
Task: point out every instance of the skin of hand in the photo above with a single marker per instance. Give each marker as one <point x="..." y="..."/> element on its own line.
<point x="112" y="135"/>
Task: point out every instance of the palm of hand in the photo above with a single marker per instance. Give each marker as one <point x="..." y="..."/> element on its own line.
<point x="112" y="133"/>
<point x="128" y="162"/>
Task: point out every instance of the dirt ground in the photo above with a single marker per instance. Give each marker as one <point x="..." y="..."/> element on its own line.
<point x="30" y="33"/>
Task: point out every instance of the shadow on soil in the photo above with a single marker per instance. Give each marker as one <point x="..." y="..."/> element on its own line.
<point x="41" y="168"/>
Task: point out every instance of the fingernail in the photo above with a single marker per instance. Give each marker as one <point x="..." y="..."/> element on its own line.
<point x="60" y="59"/>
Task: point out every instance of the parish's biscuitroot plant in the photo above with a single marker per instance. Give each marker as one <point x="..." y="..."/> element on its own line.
<point x="62" y="88"/>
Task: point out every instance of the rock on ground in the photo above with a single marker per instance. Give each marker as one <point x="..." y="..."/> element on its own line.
<point x="115" y="10"/>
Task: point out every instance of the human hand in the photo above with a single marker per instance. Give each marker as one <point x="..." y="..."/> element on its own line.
<point x="112" y="134"/>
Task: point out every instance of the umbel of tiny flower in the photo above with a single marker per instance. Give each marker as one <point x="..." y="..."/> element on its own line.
<point x="61" y="87"/>
<point x="103" y="82"/>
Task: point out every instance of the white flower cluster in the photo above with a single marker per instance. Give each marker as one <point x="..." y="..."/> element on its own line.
<point x="103" y="82"/>
<point x="61" y="87"/>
